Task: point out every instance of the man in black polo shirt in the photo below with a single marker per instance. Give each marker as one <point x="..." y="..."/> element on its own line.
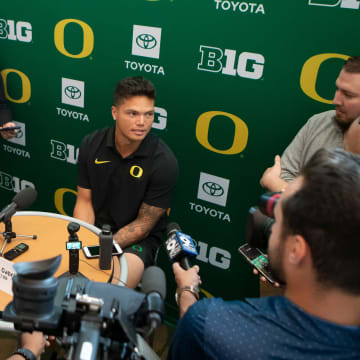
<point x="126" y="176"/>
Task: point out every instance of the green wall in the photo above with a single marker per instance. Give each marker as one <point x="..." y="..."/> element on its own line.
<point x="235" y="81"/>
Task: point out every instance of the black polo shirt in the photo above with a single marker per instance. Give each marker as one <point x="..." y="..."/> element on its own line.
<point x="119" y="185"/>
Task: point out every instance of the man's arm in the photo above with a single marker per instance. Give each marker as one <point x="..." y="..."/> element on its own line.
<point x="83" y="209"/>
<point x="271" y="179"/>
<point x="140" y="228"/>
<point x="186" y="278"/>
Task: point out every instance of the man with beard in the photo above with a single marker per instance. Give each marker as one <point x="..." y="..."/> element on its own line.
<point x="324" y="130"/>
<point x="314" y="249"/>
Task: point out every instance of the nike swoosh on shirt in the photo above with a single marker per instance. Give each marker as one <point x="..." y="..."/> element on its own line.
<point x="97" y="162"/>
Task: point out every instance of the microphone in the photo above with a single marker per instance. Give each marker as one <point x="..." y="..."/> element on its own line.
<point x="153" y="284"/>
<point x="20" y="201"/>
<point x="106" y="243"/>
<point x="179" y="246"/>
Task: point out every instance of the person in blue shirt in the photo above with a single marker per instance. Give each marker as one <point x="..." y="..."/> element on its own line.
<point x="314" y="249"/>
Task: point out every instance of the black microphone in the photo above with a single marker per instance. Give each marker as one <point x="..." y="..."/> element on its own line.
<point x="106" y="244"/>
<point x="20" y="201"/>
<point x="153" y="284"/>
<point x="179" y="246"/>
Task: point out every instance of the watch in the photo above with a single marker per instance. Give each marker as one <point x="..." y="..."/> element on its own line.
<point x="193" y="289"/>
<point x="26" y="353"/>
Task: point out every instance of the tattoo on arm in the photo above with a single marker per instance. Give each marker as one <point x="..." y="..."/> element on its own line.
<point x="138" y="229"/>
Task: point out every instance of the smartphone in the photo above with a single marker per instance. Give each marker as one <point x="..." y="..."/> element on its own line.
<point x="92" y="252"/>
<point x="10" y="128"/>
<point x="257" y="259"/>
<point x="16" y="251"/>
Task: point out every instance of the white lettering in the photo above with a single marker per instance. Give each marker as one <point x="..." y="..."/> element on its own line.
<point x="72" y="114"/>
<point x="208" y="211"/>
<point x="16" y="151"/>
<point x="243" y="6"/>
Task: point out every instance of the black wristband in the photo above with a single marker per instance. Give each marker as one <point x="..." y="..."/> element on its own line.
<point x="26" y="353"/>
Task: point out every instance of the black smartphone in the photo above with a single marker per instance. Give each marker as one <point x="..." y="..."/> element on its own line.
<point x="16" y="251"/>
<point x="10" y="128"/>
<point x="257" y="259"/>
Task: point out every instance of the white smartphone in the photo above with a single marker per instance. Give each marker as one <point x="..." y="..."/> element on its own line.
<point x="92" y="252"/>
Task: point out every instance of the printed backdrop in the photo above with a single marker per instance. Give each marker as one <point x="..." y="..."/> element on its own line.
<point x="235" y="81"/>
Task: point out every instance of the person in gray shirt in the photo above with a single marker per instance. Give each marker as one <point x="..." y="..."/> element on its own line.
<point x="324" y="130"/>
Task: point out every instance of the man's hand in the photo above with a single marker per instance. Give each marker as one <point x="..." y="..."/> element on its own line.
<point x="271" y="178"/>
<point x="35" y="342"/>
<point x="8" y="134"/>
<point x="186" y="277"/>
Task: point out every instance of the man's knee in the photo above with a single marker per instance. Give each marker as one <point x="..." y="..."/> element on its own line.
<point x="135" y="270"/>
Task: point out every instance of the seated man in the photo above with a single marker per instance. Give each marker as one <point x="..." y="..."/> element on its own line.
<point x="314" y="248"/>
<point x="324" y="130"/>
<point x="126" y="177"/>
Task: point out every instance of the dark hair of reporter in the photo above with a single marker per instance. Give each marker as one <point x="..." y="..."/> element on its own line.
<point x="352" y="65"/>
<point x="326" y="212"/>
<point x="133" y="86"/>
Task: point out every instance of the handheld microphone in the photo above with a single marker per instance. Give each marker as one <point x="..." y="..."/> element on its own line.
<point x="179" y="246"/>
<point x="153" y="284"/>
<point x="20" y="201"/>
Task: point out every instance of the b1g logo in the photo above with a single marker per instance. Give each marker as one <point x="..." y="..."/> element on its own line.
<point x="347" y="4"/>
<point x="309" y="75"/>
<point x="15" y="30"/>
<point x="249" y="65"/>
<point x="160" y="118"/>
<point x="13" y="183"/>
<point x="72" y="92"/>
<point x="146" y="41"/>
<point x="64" y="152"/>
<point x="213" y="189"/>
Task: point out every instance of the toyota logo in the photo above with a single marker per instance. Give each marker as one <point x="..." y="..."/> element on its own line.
<point x="146" y="41"/>
<point x="72" y="92"/>
<point x="213" y="189"/>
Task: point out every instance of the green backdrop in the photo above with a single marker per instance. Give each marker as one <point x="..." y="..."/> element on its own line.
<point x="235" y="81"/>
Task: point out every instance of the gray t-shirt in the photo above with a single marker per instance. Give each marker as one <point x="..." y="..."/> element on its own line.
<point x="321" y="131"/>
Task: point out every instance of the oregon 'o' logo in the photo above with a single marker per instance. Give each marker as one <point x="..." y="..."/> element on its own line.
<point x="136" y="171"/>
<point x="72" y="92"/>
<point x="88" y="38"/>
<point x="25" y="82"/>
<point x="213" y="189"/>
<point x="239" y="140"/>
<point x="146" y="41"/>
<point x="309" y="75"/>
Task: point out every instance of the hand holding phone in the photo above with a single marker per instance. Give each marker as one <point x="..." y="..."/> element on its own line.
<point x="10" y="128"/>
<point x="259" y="261"/>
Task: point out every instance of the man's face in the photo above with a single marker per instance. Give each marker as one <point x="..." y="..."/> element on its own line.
<point x="277" y="241"/>
<point x="347" y="98"/>
<point x="134" y="118"/>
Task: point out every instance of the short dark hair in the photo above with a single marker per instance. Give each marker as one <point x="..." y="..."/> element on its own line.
<point x="352" y="65"/>
<point x="326" y="212"/>
<point x="133" y="86"/>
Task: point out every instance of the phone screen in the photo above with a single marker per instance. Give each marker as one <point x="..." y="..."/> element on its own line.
<point x="258" y="260"/>
<point x="95" y="251"/>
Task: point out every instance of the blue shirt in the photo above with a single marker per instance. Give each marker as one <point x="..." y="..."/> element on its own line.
<point x="263" y="328"/>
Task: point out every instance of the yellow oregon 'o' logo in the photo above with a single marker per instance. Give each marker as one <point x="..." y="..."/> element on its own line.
<point x="136" y="171"/>
<point x="59" y="199"/>
<point x="240" y="136"/>
<point x="88" y="38"/>
<point x="25" y="84"/>
<point x="309" y="74"/>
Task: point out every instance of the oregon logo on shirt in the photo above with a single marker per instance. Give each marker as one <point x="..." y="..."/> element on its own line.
<point x="136" y="171"/>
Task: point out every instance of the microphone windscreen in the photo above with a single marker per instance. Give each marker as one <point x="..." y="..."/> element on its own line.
<point x="172" y="227"/>
<point x="25" y="198"/>
<point x="154" y="280"/>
